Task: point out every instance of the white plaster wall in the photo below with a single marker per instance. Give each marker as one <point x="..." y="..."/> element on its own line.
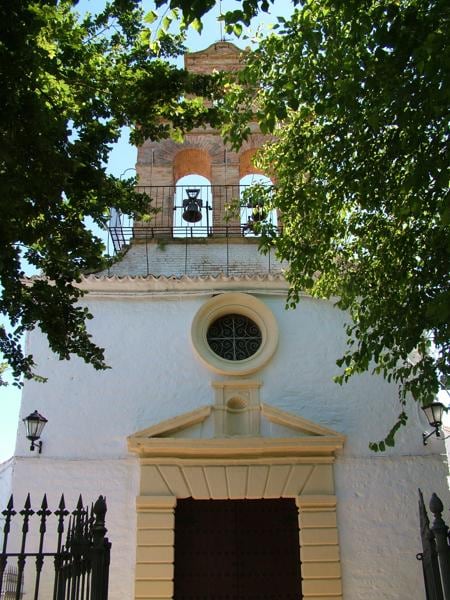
<point x="6" y="469"/>
<point x="196" y="258"/>
<point x="155" y="375"/>
<point x="378" y="519"/>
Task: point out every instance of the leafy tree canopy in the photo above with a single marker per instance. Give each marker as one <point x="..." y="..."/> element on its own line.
<point x="358" y="95"/>
<point x="68" y="86"/>
<point x="194" y="10"/>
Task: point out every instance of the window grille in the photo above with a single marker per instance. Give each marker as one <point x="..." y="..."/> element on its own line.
<point x="234" y="337"/>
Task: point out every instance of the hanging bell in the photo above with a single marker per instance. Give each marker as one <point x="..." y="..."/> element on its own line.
<point x="192" y="206"/>
<point x="258" y="213"/>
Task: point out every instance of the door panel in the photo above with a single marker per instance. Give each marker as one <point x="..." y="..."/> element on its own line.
<point x="237" y="549"/>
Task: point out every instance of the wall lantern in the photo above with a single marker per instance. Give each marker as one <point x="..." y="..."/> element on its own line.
<point x="433" y="412"/>
<point x="34" y="424"/>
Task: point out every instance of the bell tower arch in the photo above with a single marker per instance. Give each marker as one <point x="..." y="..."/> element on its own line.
<point x="160" y="165"/>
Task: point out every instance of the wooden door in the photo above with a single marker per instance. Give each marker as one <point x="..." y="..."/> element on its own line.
<point x="237" y="550"/>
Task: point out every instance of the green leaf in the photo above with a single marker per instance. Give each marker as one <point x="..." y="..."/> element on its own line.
<point x="166" y="22"/>
<point x="91" y="77"/>
<point x="151" y="17"/>
<point x="197" y="25"/>
<point x="237" y="29"/>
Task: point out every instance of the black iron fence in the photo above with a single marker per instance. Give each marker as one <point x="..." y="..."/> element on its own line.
<point x="435" y="556"/>
<point x="77" y="568"/>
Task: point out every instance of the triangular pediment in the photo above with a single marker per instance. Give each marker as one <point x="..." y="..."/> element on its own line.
<point x="175" y="424"/>
<point x="295" y="423"/>
<point x="194" y="433"/>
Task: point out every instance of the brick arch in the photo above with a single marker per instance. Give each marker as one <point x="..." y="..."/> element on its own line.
<point x="246" y="166"/>
<point x="191" y="161"/>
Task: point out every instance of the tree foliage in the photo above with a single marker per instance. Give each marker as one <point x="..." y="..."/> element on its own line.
<point x="68" y="86"/>
<point x="194" y="10"/>
<point x="357" y="95"/>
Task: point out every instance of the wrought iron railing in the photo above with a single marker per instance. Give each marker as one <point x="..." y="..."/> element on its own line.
<point x="435" y="556"/>
<point x="78" y="566"/>
<point x="202" y="211"/>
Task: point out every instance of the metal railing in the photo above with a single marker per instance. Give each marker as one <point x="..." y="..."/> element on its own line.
<point x="435" y="556"/>
<point x="78" y="566"/>
<point x="202" y="211"/>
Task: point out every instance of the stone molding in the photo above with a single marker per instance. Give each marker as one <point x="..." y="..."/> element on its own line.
<point x="141" y="284"/>
<point x="237" y="468"/>
<point x="310" y="484"/>
<point x="242" y="304"/>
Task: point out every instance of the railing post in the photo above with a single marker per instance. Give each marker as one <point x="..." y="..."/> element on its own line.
<point x="61" y="513"/>
<point x="43" y="513"/>
<point x="429" y="557"/>
<point x="100" y="553"/>
<point x="8" y="513"/>
<point x="440" y="531"/>
<point x="26" y="513"/>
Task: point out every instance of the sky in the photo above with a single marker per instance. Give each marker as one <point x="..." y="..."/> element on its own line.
<point x="122" y="161"/>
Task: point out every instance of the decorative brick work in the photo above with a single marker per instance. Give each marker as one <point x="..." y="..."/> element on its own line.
<point x="220" y="56"/>
<point x="191" y="160"/>
<point x="203" y="151"/>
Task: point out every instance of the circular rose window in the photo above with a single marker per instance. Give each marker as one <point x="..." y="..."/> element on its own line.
<point x="234" y="334"/>
<point x="234" y="337"/>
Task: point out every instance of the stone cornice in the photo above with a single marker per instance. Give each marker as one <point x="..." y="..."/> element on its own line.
<point x="104" y="284"/>
<point x="236" y="448"/>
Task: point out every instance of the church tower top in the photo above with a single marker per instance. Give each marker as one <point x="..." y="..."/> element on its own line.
<point x="196" y="188"/>
<point x="220" y="56"/>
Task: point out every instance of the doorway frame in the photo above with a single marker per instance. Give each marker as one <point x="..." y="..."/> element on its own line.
<point x="237" y="468"/>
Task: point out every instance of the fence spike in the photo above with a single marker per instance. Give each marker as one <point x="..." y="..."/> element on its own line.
<point x="436" y="505"/>
<point x="10" y="504"/>
<point x="8" y="513"/>
<point x="26" y="512"/>
<point x="69" y="532"/>
<point x="100" y="508"/>
<point x="44" y="512"/>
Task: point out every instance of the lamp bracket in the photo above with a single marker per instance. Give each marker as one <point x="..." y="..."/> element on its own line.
<point x="437" y="432"/>
<point x="35" y="445"/>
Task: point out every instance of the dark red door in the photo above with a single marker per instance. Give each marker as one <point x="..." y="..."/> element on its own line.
<point x="237" y="550"/>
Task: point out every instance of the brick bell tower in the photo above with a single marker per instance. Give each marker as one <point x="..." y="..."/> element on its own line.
<point x="192" y="186"/>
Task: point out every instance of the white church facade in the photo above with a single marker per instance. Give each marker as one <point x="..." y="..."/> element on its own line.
<point x="218" y="435"/>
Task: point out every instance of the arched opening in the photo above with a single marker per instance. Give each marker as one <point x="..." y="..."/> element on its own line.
<point x="190" y="161"/>
<point x="246" y="166"/>
<point x="192" y="207"/>
<point x="255" y="194"/>
<point x="193" y="199"/>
